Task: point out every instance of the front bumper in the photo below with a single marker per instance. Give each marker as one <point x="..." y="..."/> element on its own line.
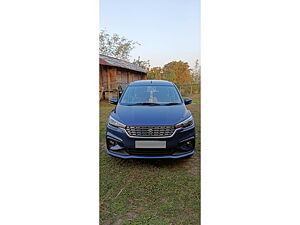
<point x="176" y="146"/>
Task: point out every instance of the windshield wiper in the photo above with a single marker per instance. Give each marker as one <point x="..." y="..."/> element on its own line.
<point x="145" y="103"/>
<point x="172" y="103"/>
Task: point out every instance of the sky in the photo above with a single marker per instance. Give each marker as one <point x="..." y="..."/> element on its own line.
<point x="168" y="30"/>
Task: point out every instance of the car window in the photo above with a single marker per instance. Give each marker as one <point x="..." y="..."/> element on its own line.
<point x="151" y="94"/>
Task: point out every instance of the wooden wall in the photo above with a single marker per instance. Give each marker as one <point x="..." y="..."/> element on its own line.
<point x="111" y="77"/>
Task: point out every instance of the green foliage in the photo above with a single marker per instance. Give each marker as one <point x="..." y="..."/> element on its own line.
<point x="155" y="73"/>
<point x="141" y="63"/>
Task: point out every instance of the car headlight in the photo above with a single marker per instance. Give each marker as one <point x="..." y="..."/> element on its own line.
<point x="115" y="123"/>
<point x="186" y="123"/>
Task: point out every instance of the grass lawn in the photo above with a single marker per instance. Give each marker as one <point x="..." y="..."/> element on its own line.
<point x="138" y="191"/>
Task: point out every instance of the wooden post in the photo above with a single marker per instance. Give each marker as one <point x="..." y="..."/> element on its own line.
<point x="102" y="93"/>
<point x="114" y="80"/>
<point x="191" y="89"/>
<point x="108" y="83"/>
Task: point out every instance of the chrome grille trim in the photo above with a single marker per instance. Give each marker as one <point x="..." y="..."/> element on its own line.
<point x="159" y="131"/>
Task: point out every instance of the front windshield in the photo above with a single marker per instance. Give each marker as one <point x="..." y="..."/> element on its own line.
<point x="151" y="95"/>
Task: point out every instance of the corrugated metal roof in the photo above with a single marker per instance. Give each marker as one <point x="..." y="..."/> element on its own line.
<point x="111" y="61"/>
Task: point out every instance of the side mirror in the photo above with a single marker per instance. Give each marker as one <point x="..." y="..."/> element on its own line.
<point x="113" y="101"/>
<point x="187" y="101"/>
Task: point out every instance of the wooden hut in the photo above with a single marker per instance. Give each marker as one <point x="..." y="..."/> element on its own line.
<point x="114" y="73"/>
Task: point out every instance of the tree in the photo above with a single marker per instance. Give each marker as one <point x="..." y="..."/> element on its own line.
<point x="115" y="46"/>
<point x="196" y="73"/>
<point x="178" y="72"/>
<point x="155" y="73"/>
<point x="141" y="63"/>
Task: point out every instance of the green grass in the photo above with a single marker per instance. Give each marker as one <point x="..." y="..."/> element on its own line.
<point x="154" y="192"/>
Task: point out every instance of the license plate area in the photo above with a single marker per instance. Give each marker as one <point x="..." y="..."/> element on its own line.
<point x="150" y="144"/>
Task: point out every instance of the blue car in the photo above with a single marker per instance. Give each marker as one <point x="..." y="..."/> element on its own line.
<point x="150" y="120"/>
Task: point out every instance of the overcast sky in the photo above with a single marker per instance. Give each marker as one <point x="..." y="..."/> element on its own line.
<point x="167" y="30"/>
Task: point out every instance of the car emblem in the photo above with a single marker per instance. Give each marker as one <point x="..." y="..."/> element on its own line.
<point x="150" y="130"/>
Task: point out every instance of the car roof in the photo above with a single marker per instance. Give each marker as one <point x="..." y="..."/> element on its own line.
<point x="151" y="82"/>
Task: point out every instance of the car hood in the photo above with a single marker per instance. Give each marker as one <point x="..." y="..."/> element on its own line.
<point x="150" y="115"/>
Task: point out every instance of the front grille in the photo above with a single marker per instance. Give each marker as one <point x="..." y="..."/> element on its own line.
<point x="150" y="131"/>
